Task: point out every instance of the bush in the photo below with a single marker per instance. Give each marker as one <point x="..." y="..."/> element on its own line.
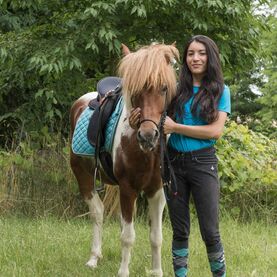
<point x="247" y="170"/>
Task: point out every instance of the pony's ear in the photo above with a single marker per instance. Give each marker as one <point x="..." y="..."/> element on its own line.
<point x="170" y="60"/>
<point x="125" y="49"/>
<point x="174" y="43"/>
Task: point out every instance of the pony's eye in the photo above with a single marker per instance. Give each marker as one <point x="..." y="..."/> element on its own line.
<point x="173" y="62"/>
<point x="163" y="90"/>
<point x="175" y="65"/>
<point x="133" y="101"/>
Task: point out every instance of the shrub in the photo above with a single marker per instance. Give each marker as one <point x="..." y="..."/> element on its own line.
<point x="247" y="170"/>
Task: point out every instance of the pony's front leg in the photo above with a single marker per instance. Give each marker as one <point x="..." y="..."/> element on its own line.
<point x="127" y="201"/>
<point x="156" y="207"/>
<point x="96" y="209"/>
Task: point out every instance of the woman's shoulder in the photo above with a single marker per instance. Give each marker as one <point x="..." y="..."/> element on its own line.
<point x="226" y="87"/>
<point x="225" y="100"/>
<point x="226" y="90"/>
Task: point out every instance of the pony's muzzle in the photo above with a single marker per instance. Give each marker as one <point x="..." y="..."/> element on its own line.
<point x="148" y="139"/>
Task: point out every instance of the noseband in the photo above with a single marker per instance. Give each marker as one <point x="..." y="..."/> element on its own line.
<point x="150" y="120"/>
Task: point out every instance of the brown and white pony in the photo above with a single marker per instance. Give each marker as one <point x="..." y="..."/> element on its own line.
<point x="148" y="82"/>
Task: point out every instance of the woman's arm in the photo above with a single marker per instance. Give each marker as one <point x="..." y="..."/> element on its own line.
<point x="210" y="131"/>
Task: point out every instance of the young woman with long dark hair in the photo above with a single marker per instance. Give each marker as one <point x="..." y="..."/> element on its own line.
<point x="200" y="111"/>
<point x="197" y="118"/>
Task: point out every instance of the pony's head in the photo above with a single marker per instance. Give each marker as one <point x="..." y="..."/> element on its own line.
<point x="149" y="82"/>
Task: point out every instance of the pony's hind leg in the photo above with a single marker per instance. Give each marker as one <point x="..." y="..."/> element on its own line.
<point x="156" y="207"/>
<point x="96" y="207"/>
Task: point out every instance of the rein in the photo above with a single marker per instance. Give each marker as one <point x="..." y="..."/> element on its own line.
<point x="167" y="172"/>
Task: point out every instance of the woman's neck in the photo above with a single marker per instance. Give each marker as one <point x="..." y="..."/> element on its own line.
<point x="197" y="79"/>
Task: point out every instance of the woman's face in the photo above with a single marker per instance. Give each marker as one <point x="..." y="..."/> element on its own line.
<point x="197" y="59"/>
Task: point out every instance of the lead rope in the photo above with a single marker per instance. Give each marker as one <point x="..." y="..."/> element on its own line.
<point x="167" y="172"/>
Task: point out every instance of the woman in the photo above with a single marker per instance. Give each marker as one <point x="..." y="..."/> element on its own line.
<point x="199" y="111"/>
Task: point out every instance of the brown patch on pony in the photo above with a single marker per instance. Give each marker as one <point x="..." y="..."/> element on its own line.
<point x="132" y="183"/>
<point x="143" y="162"/>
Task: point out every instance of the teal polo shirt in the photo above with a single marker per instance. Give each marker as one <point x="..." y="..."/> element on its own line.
<point x="183" y="143"/>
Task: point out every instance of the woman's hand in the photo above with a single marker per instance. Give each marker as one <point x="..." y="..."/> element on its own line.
<point x="169" y="125"/>
<point x="134" y="118"/>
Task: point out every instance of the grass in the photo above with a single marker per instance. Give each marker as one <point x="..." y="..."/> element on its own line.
<point x="53" y="247"/>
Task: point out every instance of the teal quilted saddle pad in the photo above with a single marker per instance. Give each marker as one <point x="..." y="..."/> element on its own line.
<point x="80" y="144"/>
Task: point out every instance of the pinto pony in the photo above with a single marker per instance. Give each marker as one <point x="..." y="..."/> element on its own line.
<point x="148" y="82"/>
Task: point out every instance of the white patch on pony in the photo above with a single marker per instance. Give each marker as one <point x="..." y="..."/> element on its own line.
<point x="127" y="101"/>
<point x="123" y="128"/>
<point x="89" y="95"/>
<point x="127" y="240"/>
<point x="156" y="207"/>
<point x="96" y="209"/>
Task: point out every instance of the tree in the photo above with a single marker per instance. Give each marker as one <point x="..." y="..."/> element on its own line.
<point x="268" y="101"/>
<point x="54" y="51"/>
<point x="257" y="106"/>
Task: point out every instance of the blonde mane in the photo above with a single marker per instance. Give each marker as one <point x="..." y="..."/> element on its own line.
<point x="149" y="69"/>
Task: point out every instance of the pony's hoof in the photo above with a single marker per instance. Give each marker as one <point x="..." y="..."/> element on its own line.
<point x="92" y="263"/>
<point x="155" y="273"/>
<point x="123" y="273"/>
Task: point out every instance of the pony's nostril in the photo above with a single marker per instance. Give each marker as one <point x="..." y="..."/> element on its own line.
<point x="148" y="139"/>
<point x="139" y="136"/>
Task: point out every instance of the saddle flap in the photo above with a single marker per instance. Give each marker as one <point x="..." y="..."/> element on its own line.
<point x="100" y="118"/>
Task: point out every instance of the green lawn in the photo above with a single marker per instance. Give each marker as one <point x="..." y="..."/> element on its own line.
<point x="52" y="247"/>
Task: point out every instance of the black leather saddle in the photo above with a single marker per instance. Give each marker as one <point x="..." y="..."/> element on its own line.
<point x="107" y="84"/>
<point x="109" y="92"/>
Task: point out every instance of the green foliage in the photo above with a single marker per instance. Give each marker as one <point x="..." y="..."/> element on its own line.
<point x="243" y="99"/>
<point x="247" y="170"/>
<point x="51" y="52"/>
<point x="268" y="101"/>
<point x="257" y="106"/>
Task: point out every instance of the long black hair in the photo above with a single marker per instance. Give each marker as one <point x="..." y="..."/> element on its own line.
<point x="206" y="100"/>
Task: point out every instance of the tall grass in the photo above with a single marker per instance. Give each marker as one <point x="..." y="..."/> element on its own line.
<point x="53" y="247"/>
<point x="38" y="182"/>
